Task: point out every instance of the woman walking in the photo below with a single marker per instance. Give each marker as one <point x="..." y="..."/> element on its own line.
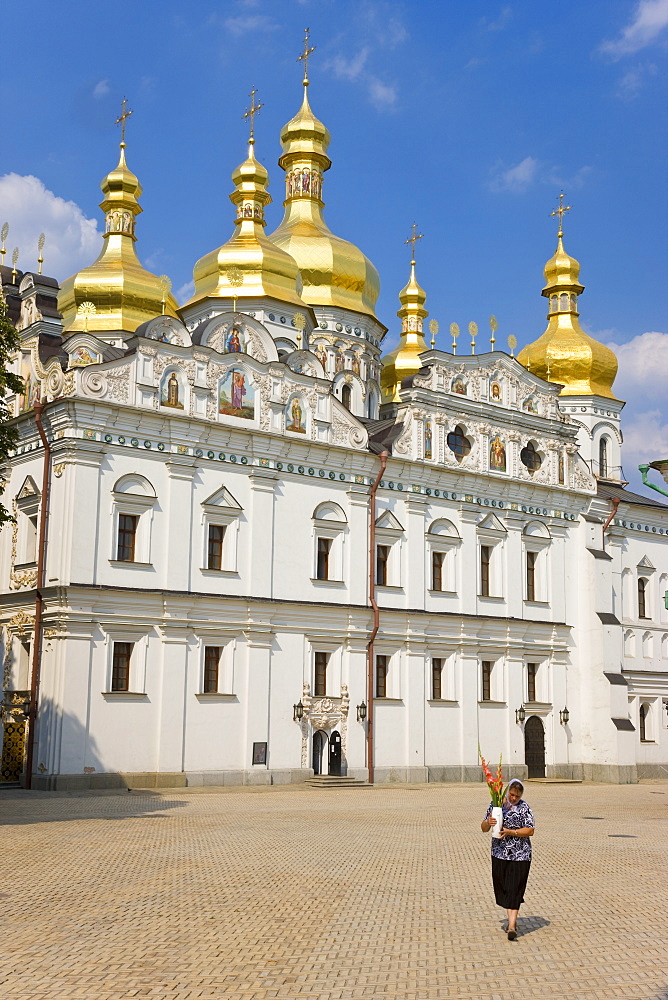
<point x="511" y="852"/>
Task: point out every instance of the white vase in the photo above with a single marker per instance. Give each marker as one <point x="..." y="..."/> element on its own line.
<point x="497" y="814"/>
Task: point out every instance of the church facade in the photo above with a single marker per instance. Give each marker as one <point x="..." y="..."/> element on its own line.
<point x="249" y="548"/>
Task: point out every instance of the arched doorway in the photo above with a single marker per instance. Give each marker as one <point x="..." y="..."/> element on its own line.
<point x="534" y="747"/>
<point x="335" y="753"/>
<point x="320" y="762"/>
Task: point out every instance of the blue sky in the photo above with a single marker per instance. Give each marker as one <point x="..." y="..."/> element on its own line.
<point x="468" y="118"/>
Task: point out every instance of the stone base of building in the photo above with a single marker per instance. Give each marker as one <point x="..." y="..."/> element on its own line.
<point x="166" y="779"/>
<point x="652" y="771"/>
<point x="610" y="774"/>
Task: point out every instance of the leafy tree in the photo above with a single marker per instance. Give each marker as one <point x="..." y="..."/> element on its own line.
<point x="9" y="382"/>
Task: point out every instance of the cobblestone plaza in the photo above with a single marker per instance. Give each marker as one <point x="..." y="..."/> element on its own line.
<point x="251" y="894"/>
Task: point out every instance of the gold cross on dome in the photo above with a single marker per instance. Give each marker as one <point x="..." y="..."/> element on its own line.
<point x="250" y="114"/>
<point x="306" y="53"/>
<point x="561" y="211"/>
<point x="123" y="117"/>
<point x="413" y="239"/>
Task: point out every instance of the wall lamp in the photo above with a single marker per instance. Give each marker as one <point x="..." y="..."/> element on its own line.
<point x="361" y="712"/>
<point x="298" y="712"/>
<point x="564" y="716"/>
<point x="520" y="715"/>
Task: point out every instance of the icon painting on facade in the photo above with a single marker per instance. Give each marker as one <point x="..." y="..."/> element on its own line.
<point x="172" y="390"/>
<point x="497" y="454"/>
<point x="236" y="395"/>
<point x="294" y="416"/>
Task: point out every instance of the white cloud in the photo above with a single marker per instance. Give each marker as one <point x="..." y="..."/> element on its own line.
<point x="531" y="171"/>
<point x="348" y="68"/>
<point x="651" y="17"/>
<point x="645" y="439"/>
<point x="517" y="178"/>
<point x="500" y="22"/>
<point x="101" y="89"/>
<point x="383" y="95"/>
<point x="633" y="81"/>
<point x="253" y="22"/>
<point x="185" y="292"/>
<point x="72" y="240"/>
<point x="643" y="369"/>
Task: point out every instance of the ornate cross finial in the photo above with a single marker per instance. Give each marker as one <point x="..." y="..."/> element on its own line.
<point x="413" y="239"/>
<point x="305" y="54"/>
<point x="561" y="211"/>
<point x="250" y="114"/>
<point x="122" y="118"/>
<point x="40" y="251"/>
<point x="4" y="233"/>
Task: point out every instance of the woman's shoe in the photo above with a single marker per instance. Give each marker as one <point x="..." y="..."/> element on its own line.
<point x="512" y="934"/>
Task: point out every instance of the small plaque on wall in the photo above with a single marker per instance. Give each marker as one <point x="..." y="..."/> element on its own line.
<point x="259" y="753"/>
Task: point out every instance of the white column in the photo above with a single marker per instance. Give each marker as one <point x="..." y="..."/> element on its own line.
<point x="356" y="556"/>
<point x="257" y="729"/>
<point x="171" y="724"/>
<point x="174" y="530"/>
<point x="416" y="510"/>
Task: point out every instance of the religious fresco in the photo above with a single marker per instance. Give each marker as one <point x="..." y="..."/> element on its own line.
<point x="497" y="454"/>
<point x="561" y="470"/>
<point x="340" y="360"/>
<point x="530" y="405"/>
<point x="356" y="363"/>
<point x="294" y="416"/>
<point x="428" y="434"/>
<point x="458" y="385"/>
<point x="172" y="390"/>
<point x="303" y="182"/>
<point x="495" y="391"/>
<point x="233" y="339"/>
<point x="236" y="395"/>
<point x="120" y="222"/>
<point x="321" y="355"/>
<point x="82" y="357"/>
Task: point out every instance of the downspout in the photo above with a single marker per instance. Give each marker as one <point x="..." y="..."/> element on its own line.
<point x="383" y="456"/>
<point x="644" y="469"/>
<point x="615" y="504"/>
<point x="39" y="602"/>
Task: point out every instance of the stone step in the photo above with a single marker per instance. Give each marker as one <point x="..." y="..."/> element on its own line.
<point x="556" y="781"/>
<point x="333" y="781"/>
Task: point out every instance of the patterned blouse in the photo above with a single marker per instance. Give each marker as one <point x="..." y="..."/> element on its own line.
<point x="514" y="818"/>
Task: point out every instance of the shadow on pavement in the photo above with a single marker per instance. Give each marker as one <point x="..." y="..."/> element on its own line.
<point x="21" y="808"/>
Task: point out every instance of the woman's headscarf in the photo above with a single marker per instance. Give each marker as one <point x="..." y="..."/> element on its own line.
<point x="515" y="781"/>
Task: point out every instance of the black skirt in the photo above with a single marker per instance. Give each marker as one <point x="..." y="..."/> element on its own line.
<point x="509" y="879"/>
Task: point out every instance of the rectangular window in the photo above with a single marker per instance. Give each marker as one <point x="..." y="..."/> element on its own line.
<point x="215" y="547"/>
<point x="532" y="670"/>
<point x="531" y="575"/>
<point x="437" y="560"/>
<point x="211" y="665"/>
<point x="322" y="568"/>
<point x="382" y="560"/>
<point x="127" y="534"/>
<point x="320" y="686"/>
<point x="120" y="670"/>
<point x="381" y="676"/>
<point x="436" y="676"/>
<point x="485" y="559"/>
<point x="486" y="680"/>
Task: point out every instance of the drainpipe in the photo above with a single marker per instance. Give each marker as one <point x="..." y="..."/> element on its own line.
<point x="39" y="602"/>
<point x="384" y="455"/>
<point x="615" y="504"/>
<point x="644" y="469"/>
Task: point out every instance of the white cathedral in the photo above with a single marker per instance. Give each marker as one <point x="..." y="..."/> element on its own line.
<point x="248" y="549"/>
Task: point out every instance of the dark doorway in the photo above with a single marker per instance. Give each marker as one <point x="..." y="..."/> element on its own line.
<point x="319" y="744"/>
<point x="335" y="753"/>
<point x="534" y="747"/>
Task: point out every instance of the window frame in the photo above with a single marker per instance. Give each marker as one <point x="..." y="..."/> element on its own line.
<point x="141" y="506"/>
<point x="138" y="638"/>
<point x="215" y="546"/>
<point x="486" y="671"/>
<point x="211" y="671"/>
<point x="642" y="594"/>
<point x="127" y="652"/>
<point x="381" y="672"/>
<point x="533" y="669"/>
<point x="122" y="533"/>
<point x="321" y="660"/>
<point x="437" y="665"/>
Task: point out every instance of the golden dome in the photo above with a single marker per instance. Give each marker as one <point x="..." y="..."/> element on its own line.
<point x="565" y="354"/>
<point x="264" y="267"/>
<point x="405" y="359"/>
<point x="123" y="292"/>
<point x="334" y="272"/>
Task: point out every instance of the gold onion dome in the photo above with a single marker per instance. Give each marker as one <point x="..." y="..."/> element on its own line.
<point x="334" y="272"/>
<point x="405" y="359"/>
<point x="565" y="354"/>
<point x="123" y="292"/>
<point x="265" y="268"/>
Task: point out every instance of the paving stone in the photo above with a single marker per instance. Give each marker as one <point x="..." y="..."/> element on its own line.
<point x="296" y="894"/>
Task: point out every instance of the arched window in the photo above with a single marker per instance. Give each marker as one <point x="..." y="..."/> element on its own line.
<point x="643" y="723"/>
<point x="530" y="457"/>
<point x="346" y="396"/>
<point x="458" y="443"/>
<point x="642" y="598"/>
<point x="603" y="457"/>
